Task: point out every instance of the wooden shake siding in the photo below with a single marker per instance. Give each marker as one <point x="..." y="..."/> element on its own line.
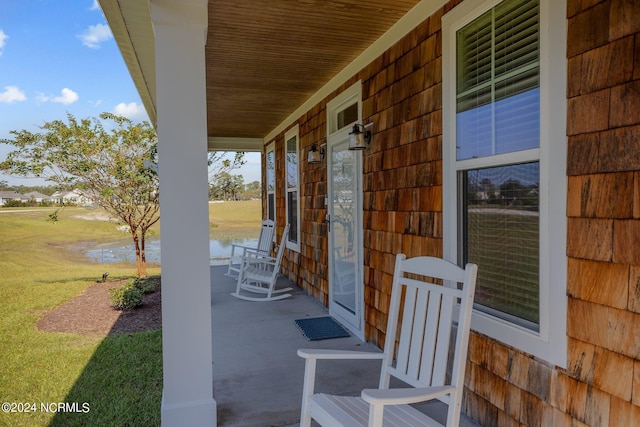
<point x="402" y="182"/>
<point x="601" y="385"/>
<point x="604" y="177"/>
<point x="402" y="96"/>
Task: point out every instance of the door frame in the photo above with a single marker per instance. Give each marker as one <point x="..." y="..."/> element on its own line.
<point x="355" y="323"/>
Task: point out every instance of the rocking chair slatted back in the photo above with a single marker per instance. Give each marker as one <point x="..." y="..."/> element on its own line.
<point x="265" y="239"/>
<point x="425" y="308"/>
<point x="431" y="303"/>
<point x="265" y="243"/>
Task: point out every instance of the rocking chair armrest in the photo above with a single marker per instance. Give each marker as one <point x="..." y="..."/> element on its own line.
<point x="258" y="259"/>
<point x="314" y="353"/>
<point x="242" y="250"/>
<point x="237" y="245"/>
<point x="404" y="396"/>
<point x="253" y="253"/>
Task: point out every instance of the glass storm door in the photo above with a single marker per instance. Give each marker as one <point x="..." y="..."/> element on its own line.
<point x="345" y="233"/>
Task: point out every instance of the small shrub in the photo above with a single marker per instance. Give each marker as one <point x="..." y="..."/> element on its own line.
<point x="14" y="204"/>
<point x="53" y="217"/>
<point x="126" y="297"/>
<point x="144" y="284"/>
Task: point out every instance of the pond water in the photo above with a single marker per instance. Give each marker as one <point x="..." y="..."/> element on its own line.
<point x="219" y="250"/>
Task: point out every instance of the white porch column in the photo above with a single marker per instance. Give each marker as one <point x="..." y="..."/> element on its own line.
<point x="180" y="31"/>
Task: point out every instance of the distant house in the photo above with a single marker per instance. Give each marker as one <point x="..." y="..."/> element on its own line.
<point x="6" y="196"/>
<point x="37" y="197"/>
<point x="75" y="197"/>
<point x="58" y="196"/>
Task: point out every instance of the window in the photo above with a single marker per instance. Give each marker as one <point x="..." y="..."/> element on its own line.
<point x="504" y="142"/>
<point x="497" y="112"/>
<point x="498" y="81"/>
<point x="293" y="188"/>
<point x="347" y="116"/>
<point x="345" y="109"/>
<point x="271" y="182"/>
<point x="499" y="231"/>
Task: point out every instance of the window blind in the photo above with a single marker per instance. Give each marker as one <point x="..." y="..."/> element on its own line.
<point x="498" y="111"/>
<point x="501" y="233"/>
<point x="498" y="81"/>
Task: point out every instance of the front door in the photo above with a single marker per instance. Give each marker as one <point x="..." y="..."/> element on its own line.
<point x="345" y="233"/>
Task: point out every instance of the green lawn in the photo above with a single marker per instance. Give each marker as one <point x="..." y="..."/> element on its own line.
<point x="118" y="379"/>
<point x="233" y="219"/>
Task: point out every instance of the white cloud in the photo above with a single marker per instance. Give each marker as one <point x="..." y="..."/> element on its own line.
<point x="68" y="97"/>
<point x="12" y="94"/>
<point x="132" y="111"/>
<point x="3" y="40"/>
<point x="41" y="97"/>
<point x="95" y="5"/>
<point x="95" y="34"/>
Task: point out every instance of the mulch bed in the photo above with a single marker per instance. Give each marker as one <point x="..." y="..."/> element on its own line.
<point x="92" y="313"/>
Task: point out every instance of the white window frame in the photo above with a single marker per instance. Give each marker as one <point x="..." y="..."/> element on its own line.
<point x="550" y="343"/>
<point x="271" y="148"/>
<point x="294" y="132"/>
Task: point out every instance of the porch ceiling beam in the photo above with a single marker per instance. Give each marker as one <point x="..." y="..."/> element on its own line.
<point x="220" y="143"/>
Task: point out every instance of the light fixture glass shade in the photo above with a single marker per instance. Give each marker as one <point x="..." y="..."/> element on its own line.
<point x="357" y="139"/>
<point x="314" y="155"/>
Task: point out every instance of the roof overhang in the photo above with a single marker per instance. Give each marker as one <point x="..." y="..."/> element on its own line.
<point x="130" y="23"/>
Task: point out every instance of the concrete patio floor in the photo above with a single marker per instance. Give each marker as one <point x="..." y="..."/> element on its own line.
<point x="257" y="375"/>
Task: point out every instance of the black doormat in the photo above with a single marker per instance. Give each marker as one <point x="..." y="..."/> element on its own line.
<point x="321" y="328"/>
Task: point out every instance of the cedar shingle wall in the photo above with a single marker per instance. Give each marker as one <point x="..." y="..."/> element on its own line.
<point x="402" y="96"/>
<point x="601" y="385"/>
<point x="313" y="257"/>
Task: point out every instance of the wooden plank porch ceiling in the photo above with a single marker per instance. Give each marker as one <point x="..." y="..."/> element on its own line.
<point x="265" y="58"/>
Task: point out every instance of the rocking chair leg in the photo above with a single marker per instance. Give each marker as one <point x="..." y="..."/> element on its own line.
<point x="308" y="388"/>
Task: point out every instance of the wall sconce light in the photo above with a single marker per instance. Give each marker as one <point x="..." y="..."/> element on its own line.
<point x="315" y="154"/>
<point x="359" y="137"/>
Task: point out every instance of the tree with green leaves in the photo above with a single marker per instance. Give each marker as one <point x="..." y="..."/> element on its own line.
<point x="223" y="162"/>
<point x="114" y="167"/>
<point x="226" y="186"/>
<point x="252" y="190"/>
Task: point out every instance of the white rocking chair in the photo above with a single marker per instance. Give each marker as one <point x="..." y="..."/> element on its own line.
<point x="423" y="330"/>
<point x="265" y="242"/>
<point x="258" y="274"/>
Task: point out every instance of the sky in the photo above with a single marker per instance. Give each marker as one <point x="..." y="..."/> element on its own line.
<point x="58" y="57"/>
